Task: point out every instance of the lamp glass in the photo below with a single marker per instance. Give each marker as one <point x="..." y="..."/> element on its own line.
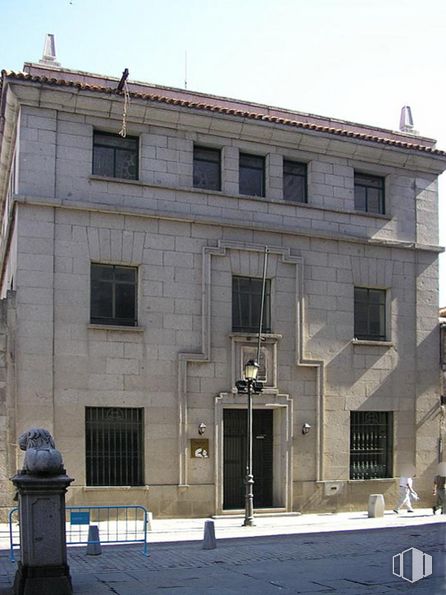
<point x="251" y="369"/>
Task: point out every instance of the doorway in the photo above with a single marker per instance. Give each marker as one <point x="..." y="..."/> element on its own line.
<point x="234" y="455"/>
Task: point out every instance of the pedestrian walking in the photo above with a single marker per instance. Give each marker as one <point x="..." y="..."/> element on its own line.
<point x="440" y="492"/>
<point x="407" y="494"/>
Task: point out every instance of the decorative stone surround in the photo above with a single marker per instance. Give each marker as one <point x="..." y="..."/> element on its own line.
<point x="282" y="255"/>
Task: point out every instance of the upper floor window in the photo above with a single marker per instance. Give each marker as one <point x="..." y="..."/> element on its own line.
<point x="369" y="193"/>
<point x="114" y="446"/>
<point x="113" y="294"/>
<point x="114" y="156"/>
<point x="295" y="181"/>
<point x="371" y="444"/>
<point x="251" y="174"/>
<point x="207" y="168"/>
<point x="370" y="314"/>
<point x="246" y="304"/>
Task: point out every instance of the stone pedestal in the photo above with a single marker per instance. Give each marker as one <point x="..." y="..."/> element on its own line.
<point x="43" y="569"/>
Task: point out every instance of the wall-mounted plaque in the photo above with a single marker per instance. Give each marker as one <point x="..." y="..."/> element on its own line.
<point x="199" y="448"/>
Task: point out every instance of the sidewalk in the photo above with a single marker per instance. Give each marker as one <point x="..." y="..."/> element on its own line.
<point x="192" y="529"/>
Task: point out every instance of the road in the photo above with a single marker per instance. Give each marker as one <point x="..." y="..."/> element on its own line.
<point x="357" y="562"/>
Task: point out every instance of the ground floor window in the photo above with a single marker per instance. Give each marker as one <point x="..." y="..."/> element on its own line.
<point x="371" y="444"/>
<point x="114" y="446"/>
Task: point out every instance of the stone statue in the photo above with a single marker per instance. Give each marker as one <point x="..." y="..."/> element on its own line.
<point x="41" y="454"/>
<point x="41" y="487"/>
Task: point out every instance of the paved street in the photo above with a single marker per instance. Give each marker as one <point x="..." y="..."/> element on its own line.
<point x="352" y="561"/>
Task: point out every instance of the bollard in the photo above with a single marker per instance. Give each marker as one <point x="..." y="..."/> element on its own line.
<point x="376" y="505"/>
<point x="94" y="544"/>
<point x="149" y="521"/>
<point x="209" y="542"/>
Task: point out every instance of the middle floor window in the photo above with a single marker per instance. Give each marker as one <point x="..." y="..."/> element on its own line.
<point x="370" y="314"/>
<point x="113" y="294"/>
<point x="246" y="304"/>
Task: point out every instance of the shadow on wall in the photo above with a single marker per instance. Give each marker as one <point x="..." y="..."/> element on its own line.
<point x="353" y="496"/>
<point x="386" y="371"/>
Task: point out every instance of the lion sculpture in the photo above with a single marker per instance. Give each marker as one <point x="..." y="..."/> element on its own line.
<point x="41" y="454"/>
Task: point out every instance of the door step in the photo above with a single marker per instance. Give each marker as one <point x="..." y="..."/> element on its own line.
<point x="260" y="512"/>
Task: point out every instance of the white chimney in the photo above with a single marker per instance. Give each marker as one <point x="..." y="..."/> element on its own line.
<point x="49" y="51"/>
<point x="406" y="120"/>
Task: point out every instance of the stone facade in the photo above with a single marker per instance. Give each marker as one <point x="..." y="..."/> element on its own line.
<point x="442" y="419"/>
<point x="180" y="363"/>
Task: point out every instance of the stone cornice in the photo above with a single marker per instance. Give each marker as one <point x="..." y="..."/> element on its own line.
<point x="232" y="123"/>
<point x="203" y="219"/>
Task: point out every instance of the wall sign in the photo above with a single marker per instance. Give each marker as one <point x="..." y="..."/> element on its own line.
<point x="199" y="448"/>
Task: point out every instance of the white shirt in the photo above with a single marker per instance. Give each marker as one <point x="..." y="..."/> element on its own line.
<point x="406" y="482"/>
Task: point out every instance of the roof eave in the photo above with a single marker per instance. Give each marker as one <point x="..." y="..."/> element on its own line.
<point x="423" y="144"/>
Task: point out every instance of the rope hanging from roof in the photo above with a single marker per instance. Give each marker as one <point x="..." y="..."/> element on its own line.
<point x="123" y="131"/>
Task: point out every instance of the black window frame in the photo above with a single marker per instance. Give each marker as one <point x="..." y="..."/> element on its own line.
<point x="249" y="163"/>
<point x="371" y="445"/>
<point x="114" y="446"/>
<point x="295" y="171"/>
<point x="207" y="157"/>
<point x="115" y="144"/>
<point x="112" y="291"/>
<point x="366" y="184"/>
<point x="368" y="301"/>
<point x="251" y="287"/>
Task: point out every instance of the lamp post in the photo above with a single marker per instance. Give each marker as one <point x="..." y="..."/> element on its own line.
<point x="249" y="386"/>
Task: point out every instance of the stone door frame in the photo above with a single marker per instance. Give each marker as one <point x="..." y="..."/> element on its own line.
<point x="282" y="406"/>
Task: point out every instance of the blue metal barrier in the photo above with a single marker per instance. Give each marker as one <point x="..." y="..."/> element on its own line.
<point x="11" y="537"/>
<point x="117" y="524"/>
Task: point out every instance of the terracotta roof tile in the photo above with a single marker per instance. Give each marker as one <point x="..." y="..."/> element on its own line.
<point x="219" y="107"/>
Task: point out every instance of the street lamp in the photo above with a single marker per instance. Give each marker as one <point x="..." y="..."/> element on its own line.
<point x="249" y="386"/>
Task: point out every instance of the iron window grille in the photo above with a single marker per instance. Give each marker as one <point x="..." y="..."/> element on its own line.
<point x="370" y="314"/>
<point x="251" y="174"/>
<point x="113" y="294"/>
<point x="207" y="168"/>
<point x="294" y="181"/>
<point x="246" y="304"/>
<point x="371" y="444"/>
<point x="369" y="193"/>
<point x="114" y="447"/>
<point x="114" y="156"/>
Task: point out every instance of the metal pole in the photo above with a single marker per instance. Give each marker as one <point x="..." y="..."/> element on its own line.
<point x="262" y="305"/>
<point x="249" y="479"/>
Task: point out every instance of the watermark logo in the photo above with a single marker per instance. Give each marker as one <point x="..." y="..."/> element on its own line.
<point x="412" y="565"/>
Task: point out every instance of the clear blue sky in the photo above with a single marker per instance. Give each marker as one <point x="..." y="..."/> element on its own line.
<point x="358" y="60"/>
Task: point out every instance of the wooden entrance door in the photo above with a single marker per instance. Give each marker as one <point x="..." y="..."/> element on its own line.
<point x="234" y="466"/>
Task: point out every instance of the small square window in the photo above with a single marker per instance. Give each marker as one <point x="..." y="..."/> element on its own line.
<point x="369" y="193"/>
<point x="251" y="174"/>
<point x="246" y="305"/>
<point x="113" y="294"/>
<point x="114" y="156"/>
<point x="114" y="445"/>
<point x="294" y="181"/>
<point x="207" y="168"/>
<point x="370" y="314"/>
<point x="371" y="444"/>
